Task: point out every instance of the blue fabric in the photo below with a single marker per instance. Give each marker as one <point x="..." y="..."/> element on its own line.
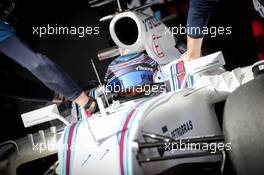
<point x="41" y="66"/>
<point x="5" y="31"/>
<point x="198" y="16"/>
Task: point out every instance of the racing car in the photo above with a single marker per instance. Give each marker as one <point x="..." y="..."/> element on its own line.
<point x="156" y="114"/>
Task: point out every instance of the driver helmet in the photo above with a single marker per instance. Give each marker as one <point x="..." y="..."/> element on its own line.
<point x="132" y="75"/>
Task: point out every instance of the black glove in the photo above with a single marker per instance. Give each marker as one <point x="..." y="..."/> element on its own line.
<point x="91" y="106"/>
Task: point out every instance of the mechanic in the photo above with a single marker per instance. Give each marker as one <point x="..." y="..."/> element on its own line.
<point x="198" y="16"/>
<point x="39" y="65"/>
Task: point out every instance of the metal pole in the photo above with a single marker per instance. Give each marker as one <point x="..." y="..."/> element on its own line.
<point x="121" y="5"/>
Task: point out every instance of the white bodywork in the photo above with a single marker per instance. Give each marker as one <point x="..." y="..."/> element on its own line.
<point x="109" y="143"/>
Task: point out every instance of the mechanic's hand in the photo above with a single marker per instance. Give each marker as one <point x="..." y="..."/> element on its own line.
<point x="88" y="103"/>
<point x="188" y="56"/>
<point x="193" y="51"/>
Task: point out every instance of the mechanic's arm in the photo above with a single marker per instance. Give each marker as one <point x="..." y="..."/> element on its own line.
<point x="43" y="68"/>
<point x="198" y="17"/>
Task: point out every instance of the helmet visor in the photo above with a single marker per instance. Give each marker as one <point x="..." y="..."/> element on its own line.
<point x="127" y="82"/>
